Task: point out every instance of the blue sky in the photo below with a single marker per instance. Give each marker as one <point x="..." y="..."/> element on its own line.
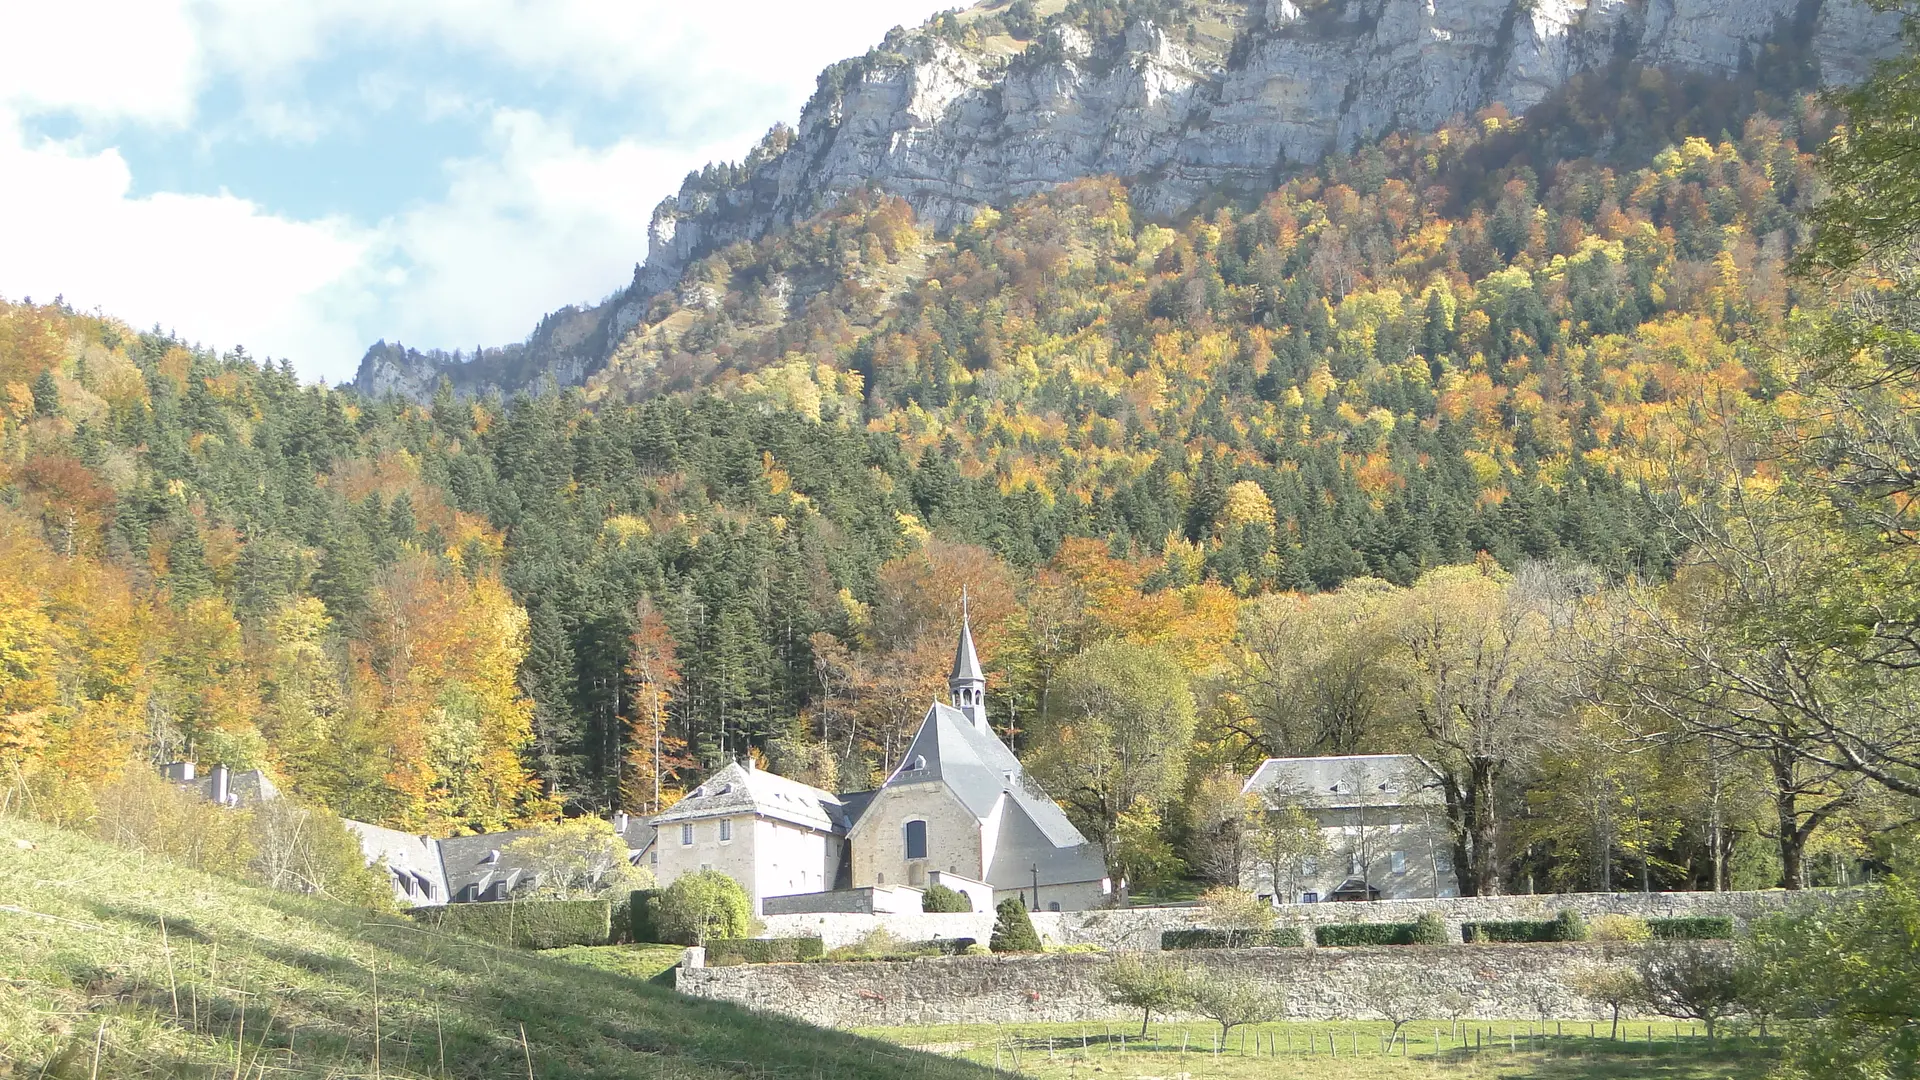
<point x="305" y="178"/>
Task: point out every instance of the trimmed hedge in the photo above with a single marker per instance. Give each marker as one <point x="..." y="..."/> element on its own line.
<point x="525" y="924"/>
<point x="1566" y="926"/>
<point x="1336" y="935"/>
<point x="907" y="951"/>
<point x="1280" y="937"/>
<point x="939" y="898"/>
<point x="640" y="916"/>
<point x="726" y="952"/>
<point x="1695" y="928"/>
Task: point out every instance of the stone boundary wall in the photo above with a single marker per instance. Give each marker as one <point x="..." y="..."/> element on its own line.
<point x="1476" y="981"/>
<point x="1140" y="928"/>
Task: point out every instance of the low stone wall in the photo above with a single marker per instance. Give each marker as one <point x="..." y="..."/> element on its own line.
<point x="1479" y="981"/>
<point x="1140" y="928"/>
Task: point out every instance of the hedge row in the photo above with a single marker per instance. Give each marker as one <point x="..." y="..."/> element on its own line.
<point x="726" y="952"/>
<point x="1566" y="926"/>
<point x="1345" y="934"/>
<point x="909" y="950"/>
<point x="526" y="924"/>
<point x="1281" y="937"/>
<point x="1695" y="928"/>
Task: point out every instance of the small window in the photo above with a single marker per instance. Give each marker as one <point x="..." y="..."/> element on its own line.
<point x="1309" y="866"/>
<point x="653" y="858"/>
<point x="1354" y="865"/>
<point x="1309" y="897"/>
<point x="1399" y="859"/>
<point x="1053" y="905"/>
<point x="1443" y="862"/>
<point x="880" y="879"/>
<point x="726" y="828"/>
<point x="686" y="835"/>
<point x="916" y="839"/>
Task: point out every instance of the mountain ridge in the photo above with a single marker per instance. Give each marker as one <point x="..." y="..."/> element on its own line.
<point x="954" y="119"/>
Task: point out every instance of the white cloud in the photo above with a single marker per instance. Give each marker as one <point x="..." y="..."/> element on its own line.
<point x="218" y="268"/>
<point x="536" y="221"/>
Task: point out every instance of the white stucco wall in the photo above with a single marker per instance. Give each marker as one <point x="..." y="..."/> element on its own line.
<point x="1423" y="840"/>
<point x="767" y="858"/>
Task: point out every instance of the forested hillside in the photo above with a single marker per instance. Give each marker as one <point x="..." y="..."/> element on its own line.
<point x="1224" y="461"/>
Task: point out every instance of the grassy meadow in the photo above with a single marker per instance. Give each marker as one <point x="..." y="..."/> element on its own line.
<point x="115" y="966"/>
<point x="1342" y="1051"/>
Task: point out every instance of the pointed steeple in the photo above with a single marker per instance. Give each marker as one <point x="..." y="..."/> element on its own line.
<point x="967" y="682"/>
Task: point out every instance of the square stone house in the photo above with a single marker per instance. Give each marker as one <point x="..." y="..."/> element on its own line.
<point x="773" y="835"/>
<point x="1384" y="822"/>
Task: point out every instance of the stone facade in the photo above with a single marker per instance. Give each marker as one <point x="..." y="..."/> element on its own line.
<point x="1476" y="981"/>
<point x="879" y="842"/>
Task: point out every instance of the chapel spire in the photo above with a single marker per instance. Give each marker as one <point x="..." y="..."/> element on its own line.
<point x="967" y="682"/>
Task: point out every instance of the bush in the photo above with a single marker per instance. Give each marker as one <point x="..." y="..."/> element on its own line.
<point x="1696" y="928"/>
<point x="1431" y="929"/>
<point x="939" y="898"/>
<point x="525" y="924"/>
<point x="699" y="906"/>
<point x="1620" y="928"/>
<point x="1012" y="931"/>
<point x="1338" y="935"/>
<point x="1279" y="937"/>
<point x="1570" y="926"/>
<point x="640" y="916"/>
<point x="725" y="952"/>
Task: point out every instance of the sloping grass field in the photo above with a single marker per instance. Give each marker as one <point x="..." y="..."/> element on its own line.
<point x="112" y="965"/>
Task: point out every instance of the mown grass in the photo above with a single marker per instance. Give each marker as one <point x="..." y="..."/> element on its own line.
<point x="244" y="983"/>
<point x="1342" y="1051"/>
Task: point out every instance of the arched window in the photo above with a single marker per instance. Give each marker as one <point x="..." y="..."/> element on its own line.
<point x="916" y="839"/>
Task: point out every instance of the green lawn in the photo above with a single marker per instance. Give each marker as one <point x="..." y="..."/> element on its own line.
<point x="1496" y="1050"/>
<point x="634" y="961"/>
<point x="249" y="984"/>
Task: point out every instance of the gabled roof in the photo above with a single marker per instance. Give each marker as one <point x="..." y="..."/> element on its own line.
<point x="978" y="768"/>
<point x="407" y="853"/>
<point x="481" y="862"/>
<point x="1352" y="780"/>
<point x="737" y="790"/>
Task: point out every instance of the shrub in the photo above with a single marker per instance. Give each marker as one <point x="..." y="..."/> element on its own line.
<point x="725" y="952"/>
<point x="1279" y="937"/>
<point x="1232" y="1001"/>
<point x="1566" y="926"/>
<point x="1696" y="928"/>
<point x="525" y="924"/>
<point x="1570" y="926"/>
<point x="701" y="905"/>
<point x="1691" y="981"/>
<point x="1336" y="935"/>
<point x="1431" y="929"/>
<point x="640" y="916"/>
<point x="977" y="949"/>
<point x="1620" y="928"/>
<point x="1012" y="931"/>
<point x="1243" y="916"/>
<point x="939" y="898"/>
<point x="309" y="850"/>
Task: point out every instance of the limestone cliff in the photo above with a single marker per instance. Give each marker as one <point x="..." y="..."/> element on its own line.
<point x="952" y="125"/>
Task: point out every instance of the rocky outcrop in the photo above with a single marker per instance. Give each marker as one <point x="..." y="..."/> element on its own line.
<point x="952" y="130"/>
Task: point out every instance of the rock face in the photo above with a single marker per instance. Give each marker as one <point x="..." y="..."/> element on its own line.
<point x="952" y="130"/>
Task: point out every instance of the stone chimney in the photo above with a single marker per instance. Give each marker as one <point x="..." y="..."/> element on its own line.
<point x="222" y="778"/>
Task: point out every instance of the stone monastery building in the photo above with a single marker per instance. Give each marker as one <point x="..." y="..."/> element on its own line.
<point x="959" y="811"/>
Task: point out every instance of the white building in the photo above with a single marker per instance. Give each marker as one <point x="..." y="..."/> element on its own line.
<point x="1384" y="822"/>
<point x="773" y="835"/>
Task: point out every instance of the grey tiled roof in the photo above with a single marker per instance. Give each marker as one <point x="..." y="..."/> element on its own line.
<point x="737" y="789"/>
<point x="966" y="662"/>
<point x="474" y="872"/>
<point x="1353" y="780"/>
<point x="979" y="769"/>
<point x="405" y="853"/>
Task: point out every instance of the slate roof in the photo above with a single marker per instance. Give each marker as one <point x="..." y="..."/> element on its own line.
<point x="475" y="872"/>
<point x="1333" y="783"/>
<point x="737" y="789"/>
<point x="635" y="831"/>
<point x="406" y="853"/>
<point x="966" y="662"/>
<point x="979" y="770"/>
